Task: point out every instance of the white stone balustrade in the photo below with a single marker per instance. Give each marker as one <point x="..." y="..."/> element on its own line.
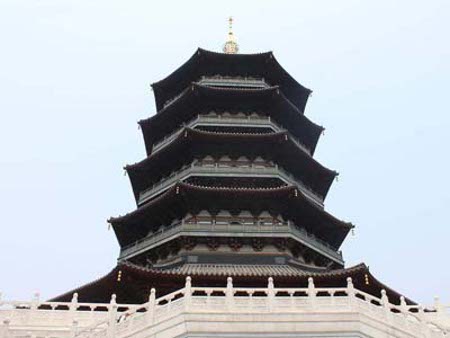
<point x="217" y="311"/>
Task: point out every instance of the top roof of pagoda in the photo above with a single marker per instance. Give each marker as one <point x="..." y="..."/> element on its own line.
<point x="208" y="63"/>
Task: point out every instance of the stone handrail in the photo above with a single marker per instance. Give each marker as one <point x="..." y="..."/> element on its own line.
<point x="184" y="228"/>
<point x="230" y="299"/>
<point x="197" y="169"/>
<point x="25" y="318"/>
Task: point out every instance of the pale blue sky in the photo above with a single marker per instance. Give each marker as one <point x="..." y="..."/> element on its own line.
<point x="75" y="76"/>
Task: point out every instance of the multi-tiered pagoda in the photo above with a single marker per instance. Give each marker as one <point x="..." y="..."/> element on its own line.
<point x="229" y="187"/>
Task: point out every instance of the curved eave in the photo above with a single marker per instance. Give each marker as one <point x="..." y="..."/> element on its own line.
<point x="204" y="62"/>
<point x="197" y="97"/>
<point x="136" y="281"/>
<point x="184" y="197"/>
<point x="321" y="177"/>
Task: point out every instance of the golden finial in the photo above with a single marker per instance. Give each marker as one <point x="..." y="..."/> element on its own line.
<point x="231" y="46"/>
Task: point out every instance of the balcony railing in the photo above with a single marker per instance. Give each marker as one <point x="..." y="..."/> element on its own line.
<point x="236" y="82"/>
<point x="215" y="170"/>
<point x="224" y="229"/>
<point x="228" y="121"/>
<point x="226" y="81"/>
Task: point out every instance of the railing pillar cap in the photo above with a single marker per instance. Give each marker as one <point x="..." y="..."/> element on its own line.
<point x="188" y="282"/>
<point x="113" y="299"/>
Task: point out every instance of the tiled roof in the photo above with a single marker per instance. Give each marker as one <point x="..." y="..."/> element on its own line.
<point x="231" y="270"/>
<point x="237" y="270"/>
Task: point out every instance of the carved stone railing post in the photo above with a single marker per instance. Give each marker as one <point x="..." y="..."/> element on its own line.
<point x="440" y="310"/>
<point x="311" y="292"/>
<point x="270" y="294"/>
<point x="151" y="306"/>
<point x="350" y="292"/>
<point x="404" y="309"/>
<point x="35" y="301"/>
<point x="187" y="294"/>
<point x="229" y="294"/>
<point x="73" y="304"/>
<point x="112" y="313"/>
<point x="403" y="305"/>
<point x="385" y="304"/>
<point x="424" y="327"/>
<point x="384" y="299"/>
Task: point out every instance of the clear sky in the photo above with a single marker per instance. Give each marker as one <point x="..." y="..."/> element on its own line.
<point x="75" y="78"/>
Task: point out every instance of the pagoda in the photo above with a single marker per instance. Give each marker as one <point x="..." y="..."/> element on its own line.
<point x="229" y="187"/>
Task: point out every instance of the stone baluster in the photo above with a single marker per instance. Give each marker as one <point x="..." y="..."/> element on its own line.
<point x="229" y="294"/>
<point x="350" y="292"/>
<point x="270" y="294"/>
<point x="74" y="329"/>
<point x="6" y="332"/>
<point x="438" y="307"/>
<point x="187" y="293"/>
<point x="35" y="301"/>
<point x="151" y="306"/>
<point x="404" y="309"/>
<point x="403" y="305"/>
<point x="424" y="327"/>
<point x="386" y="305"/>
<point x="311" y="292"/>
<point x="112" y="313"/>
<point x="421" y="313"/>
<point x="74" y="303"/>
<point x="384" y="299"/>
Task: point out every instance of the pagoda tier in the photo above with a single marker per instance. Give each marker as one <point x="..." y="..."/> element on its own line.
<point x="132" y="283"/>
<point x="250" y="70"/>
<point x="185" y="198"/>
<point x="266" y="107"/>
<point x="192" y="144"/>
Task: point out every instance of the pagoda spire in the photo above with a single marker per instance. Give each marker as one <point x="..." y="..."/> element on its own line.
<point x="230" y="46"/>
